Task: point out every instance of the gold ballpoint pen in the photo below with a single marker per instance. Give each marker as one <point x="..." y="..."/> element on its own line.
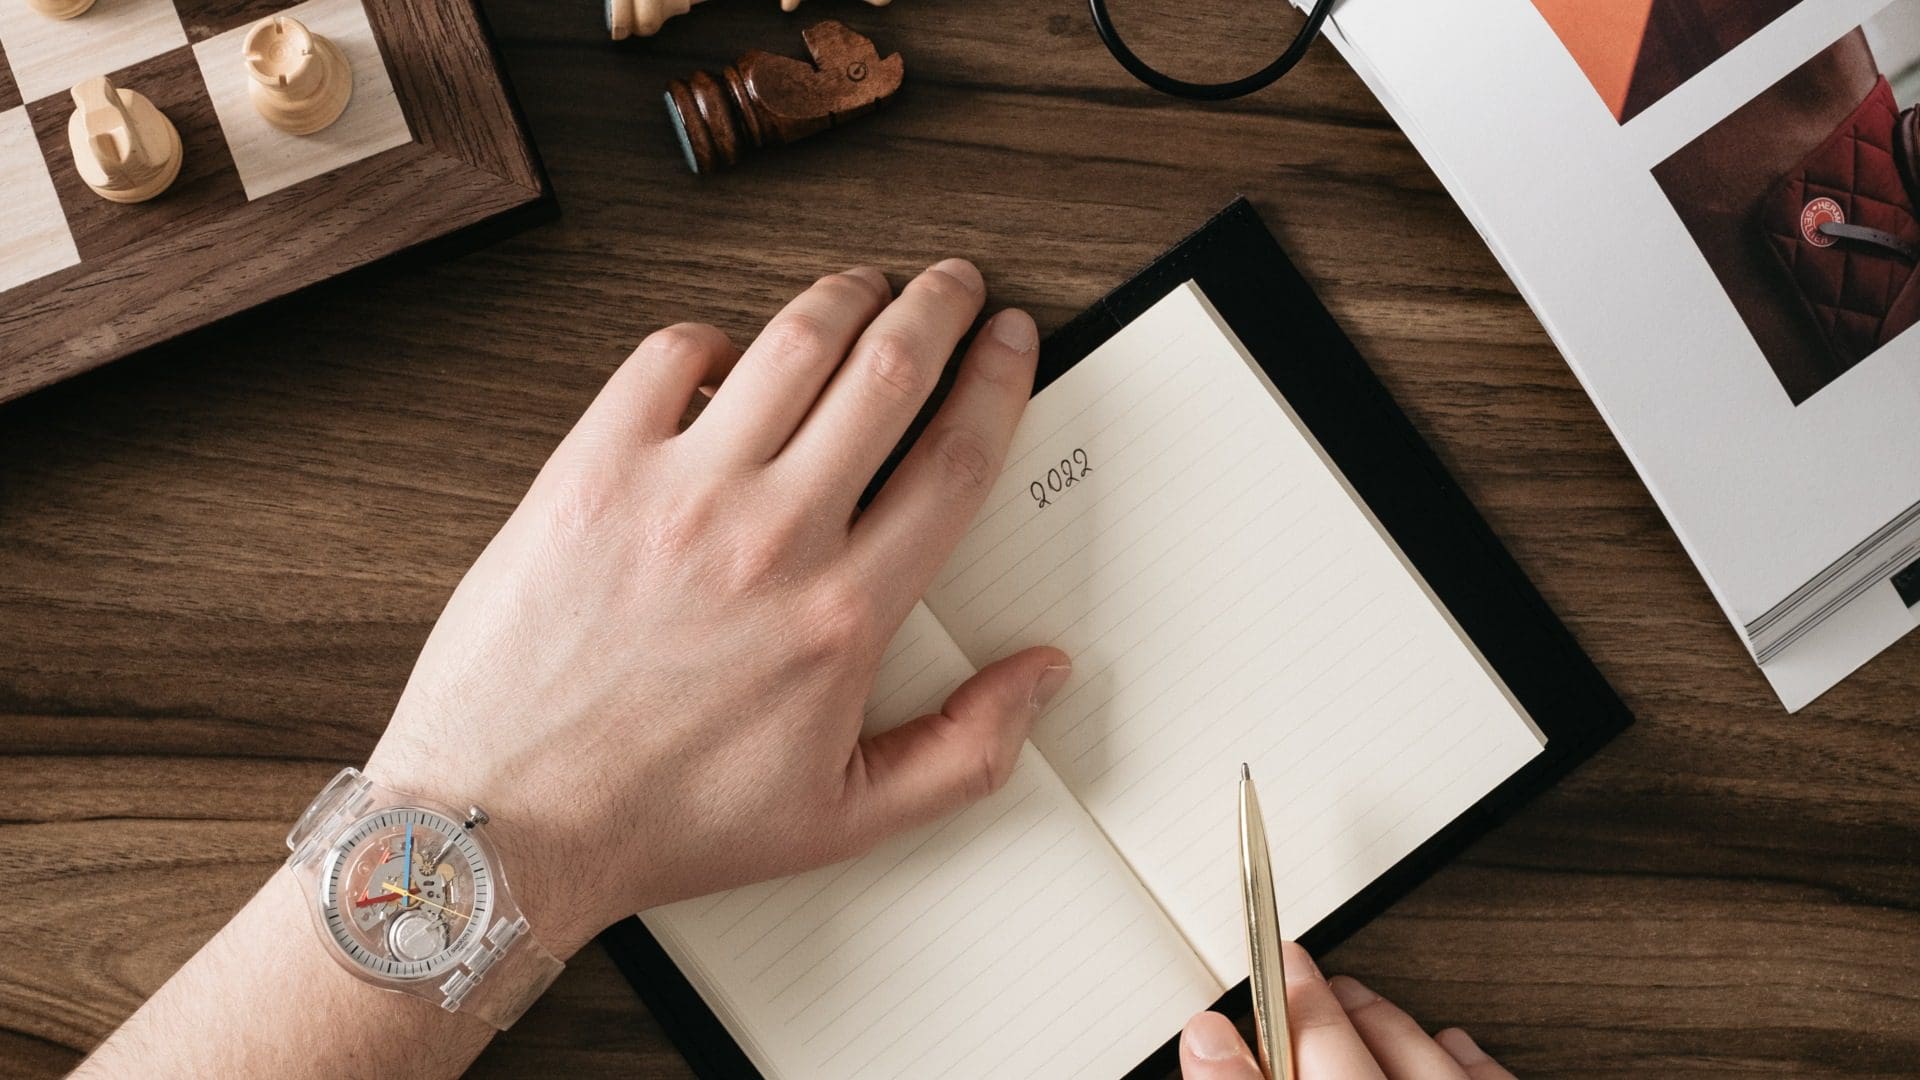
<point x="1266" y="971"/>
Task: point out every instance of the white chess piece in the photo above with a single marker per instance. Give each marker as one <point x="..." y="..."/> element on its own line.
<point x="301" y="80"/>
<point x="790" y="5"/>
<point x="643" y="18"/>
<point x="60" y="9"/>
<point x="123" y="147"/>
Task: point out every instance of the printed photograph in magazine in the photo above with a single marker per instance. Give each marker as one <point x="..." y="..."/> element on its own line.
<point x="1803" y="203"/>
<point x="1636" y="52"/>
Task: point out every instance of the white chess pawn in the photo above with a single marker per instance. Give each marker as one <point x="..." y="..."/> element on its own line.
<point x="301" y="80"/>
<point x="123" y="147"/>
<point x="60" y="9"/>
<point x="643" y="18"/>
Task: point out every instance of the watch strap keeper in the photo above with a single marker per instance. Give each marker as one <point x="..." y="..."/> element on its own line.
<point x="504" y="975"/>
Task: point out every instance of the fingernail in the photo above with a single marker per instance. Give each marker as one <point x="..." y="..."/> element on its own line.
<point x="1212" y="1037"/>
<point x="1461" y="1047"/>
<point x="1014" y="329"/>
<point x="1049" y="684"/>
<point x="962" y="271"/>
<point x="1300" y="965"/>
<point x="1351" y="992"/>
<point x="872" y="277"/>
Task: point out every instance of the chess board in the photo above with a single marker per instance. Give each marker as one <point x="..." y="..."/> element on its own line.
<point x="431" y="144"/>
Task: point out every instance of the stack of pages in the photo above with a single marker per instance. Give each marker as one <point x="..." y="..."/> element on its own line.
<point x="1710" y="205"/>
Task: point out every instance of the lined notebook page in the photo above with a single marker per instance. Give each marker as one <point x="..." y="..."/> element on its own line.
<point x="1008" y="941"/>
<point x="1164" y="519"/>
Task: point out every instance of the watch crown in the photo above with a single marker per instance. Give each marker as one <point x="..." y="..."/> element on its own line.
<point x="476" y="817"/>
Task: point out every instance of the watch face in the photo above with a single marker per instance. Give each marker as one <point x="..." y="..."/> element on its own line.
<point x="405" y="891"/>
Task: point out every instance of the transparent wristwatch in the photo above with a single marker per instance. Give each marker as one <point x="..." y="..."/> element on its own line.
<point x="410" y="896"/>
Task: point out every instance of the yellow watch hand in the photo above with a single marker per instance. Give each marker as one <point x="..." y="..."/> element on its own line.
<point x="392" y="888"/>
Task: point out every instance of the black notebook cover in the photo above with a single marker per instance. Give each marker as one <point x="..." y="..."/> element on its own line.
<point x="1254" y="287"/>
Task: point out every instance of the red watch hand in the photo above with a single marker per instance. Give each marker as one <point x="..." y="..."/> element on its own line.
<point x="369" y="901"/>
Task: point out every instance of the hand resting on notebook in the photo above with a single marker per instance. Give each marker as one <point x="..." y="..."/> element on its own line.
<point x="1341" y="1031"/>
<point x="653" y="677"/>
<point x="656" y="670"/>
<point x="1165" y="518"/>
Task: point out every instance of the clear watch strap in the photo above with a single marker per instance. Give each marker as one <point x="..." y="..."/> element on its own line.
<point x="344" y="798"/>
<point x="504" y="974"/>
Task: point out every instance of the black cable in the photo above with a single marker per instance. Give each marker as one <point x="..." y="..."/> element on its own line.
<point x="1222" y="91"/>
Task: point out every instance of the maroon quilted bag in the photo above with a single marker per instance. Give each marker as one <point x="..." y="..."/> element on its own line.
<point x="1844" y="226"/>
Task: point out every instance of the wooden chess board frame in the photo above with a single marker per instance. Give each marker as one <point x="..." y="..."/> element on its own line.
<point x="205" y="249"/>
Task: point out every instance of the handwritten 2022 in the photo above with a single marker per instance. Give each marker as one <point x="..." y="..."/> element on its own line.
<point x="1072" y="469"/>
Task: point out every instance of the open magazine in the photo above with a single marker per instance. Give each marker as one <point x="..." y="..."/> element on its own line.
<point x="1710" y="205"/>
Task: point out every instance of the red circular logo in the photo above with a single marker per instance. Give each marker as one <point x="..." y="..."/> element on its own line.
<point x="1817" y="213"/>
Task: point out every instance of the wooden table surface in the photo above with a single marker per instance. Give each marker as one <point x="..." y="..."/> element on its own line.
<point x="218" y="559"/>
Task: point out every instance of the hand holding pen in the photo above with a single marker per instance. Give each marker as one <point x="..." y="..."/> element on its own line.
<point x="1341" y="1031"/>
<point x="1307" y="1028"/>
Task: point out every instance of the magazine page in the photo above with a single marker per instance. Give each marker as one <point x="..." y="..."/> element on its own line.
<point x="1710" y="206"/>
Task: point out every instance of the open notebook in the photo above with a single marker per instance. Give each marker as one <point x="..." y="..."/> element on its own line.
<point x="1168" y="520"/>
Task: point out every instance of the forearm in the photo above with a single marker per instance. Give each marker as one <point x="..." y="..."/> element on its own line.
<point x="263" y="998"/>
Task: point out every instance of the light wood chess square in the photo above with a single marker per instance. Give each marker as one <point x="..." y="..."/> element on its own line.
<point x="33" y="227"/>
<point x="269" y="159"/>
<point x="48" y="56"/>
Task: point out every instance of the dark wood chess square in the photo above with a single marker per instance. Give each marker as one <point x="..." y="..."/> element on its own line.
<point x="207" y="191"/>
<point x="9" y="90"/>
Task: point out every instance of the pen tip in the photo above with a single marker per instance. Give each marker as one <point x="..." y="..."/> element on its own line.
<point x="1244" y="773"/>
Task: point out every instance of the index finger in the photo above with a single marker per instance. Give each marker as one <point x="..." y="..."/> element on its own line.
<point x="1324" y="1041"/>
<point x="914" y="523"/>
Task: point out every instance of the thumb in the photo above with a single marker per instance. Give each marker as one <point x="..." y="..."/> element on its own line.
<point x="927" y="768"/>
<point x="1211" y="1049"/>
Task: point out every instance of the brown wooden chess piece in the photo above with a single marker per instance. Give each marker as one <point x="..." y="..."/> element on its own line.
<point x="767" y="100"/>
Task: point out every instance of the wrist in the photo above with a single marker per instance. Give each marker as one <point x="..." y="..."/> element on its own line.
<point x="562" y="908"/>
<point x="562" y="914"/>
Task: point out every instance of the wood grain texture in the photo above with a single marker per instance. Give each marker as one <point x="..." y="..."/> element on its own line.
<point x="343" y="108"/>
<point x="47" y="55"/>
<point x="9" y="93"/>
<point x="218" y="559"/>
<point x="204" y="250"/>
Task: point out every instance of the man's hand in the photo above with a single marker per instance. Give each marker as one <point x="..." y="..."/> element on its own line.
<point x="653" y="676"/>
<point x="1341" y="1031"/>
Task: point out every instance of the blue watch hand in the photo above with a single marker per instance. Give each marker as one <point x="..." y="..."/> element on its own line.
<point x="407" y="883"/>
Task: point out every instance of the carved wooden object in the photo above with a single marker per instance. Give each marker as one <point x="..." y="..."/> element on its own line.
<point x="301" y="80"/>
<point x="60" y="9"/>
<point x="123" y="147"/>
<point x="767" y="100"/>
